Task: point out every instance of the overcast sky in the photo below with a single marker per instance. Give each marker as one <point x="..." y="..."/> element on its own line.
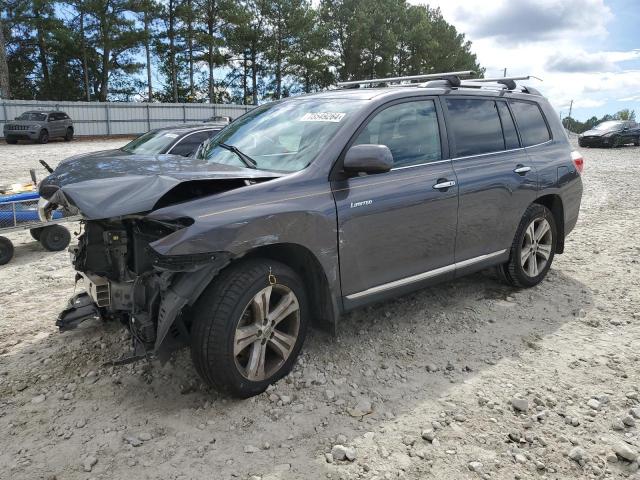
<point x="585" y="50"/>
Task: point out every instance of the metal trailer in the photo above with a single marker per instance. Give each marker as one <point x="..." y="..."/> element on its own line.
<point x="20" y="212"/>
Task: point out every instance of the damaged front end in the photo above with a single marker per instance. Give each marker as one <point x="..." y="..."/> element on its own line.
<point x="126" y="279"/>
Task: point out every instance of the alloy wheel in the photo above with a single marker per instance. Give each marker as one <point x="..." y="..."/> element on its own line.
<point x="267" y="332"/>
<point x="536" y="247"/>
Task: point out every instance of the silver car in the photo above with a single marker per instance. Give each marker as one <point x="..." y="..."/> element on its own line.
<point x="39" y="126"/>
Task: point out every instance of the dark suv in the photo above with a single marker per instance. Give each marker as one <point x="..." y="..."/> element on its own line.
<point x="40" y="126"/>
<point x="306" y="208"/>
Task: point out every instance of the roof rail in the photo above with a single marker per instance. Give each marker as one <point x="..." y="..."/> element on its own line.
<point x="429" y="76"/>
<point x="508" y="82"/>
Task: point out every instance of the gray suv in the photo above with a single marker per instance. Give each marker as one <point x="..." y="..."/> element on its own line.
<point x="311" y="206"/>
<point x="39" y="126"/>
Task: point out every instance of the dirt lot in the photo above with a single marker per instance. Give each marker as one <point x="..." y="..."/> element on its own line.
<point x="470" y="379"/>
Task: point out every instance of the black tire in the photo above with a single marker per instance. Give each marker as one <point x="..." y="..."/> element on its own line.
<point x="513" y="272"/>
<point x="43" y="137"/>
<point x="11" y="140"/>
<point x="6" y="250"/>
<point x="220" y="309"/>
<point x="636" y="141"/>
<point x="69" y="135"/>
<point x="580" y="143"/>
<point x="35" y="233"/>
<point x="55" y="238"/>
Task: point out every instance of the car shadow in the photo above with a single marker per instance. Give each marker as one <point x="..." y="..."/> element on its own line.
<point x="399" y="355"/>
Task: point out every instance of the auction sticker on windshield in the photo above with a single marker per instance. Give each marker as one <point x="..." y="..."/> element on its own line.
<point x="322" y="117"/>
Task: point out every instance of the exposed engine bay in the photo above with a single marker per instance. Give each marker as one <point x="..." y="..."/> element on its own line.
<point x="125" y="279"/>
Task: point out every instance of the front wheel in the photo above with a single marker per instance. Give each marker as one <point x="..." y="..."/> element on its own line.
<point x="533" y="248"/>
<point x="6" y="250"/>
<point x="54" y="238"/>
<point x="43" y="137"/>
<point x="249" y="326"/>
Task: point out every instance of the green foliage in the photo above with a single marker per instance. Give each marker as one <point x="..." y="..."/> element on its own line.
<point x="244" y="51"/>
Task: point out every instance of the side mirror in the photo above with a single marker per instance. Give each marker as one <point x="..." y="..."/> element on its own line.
<point x="368" y="158"/>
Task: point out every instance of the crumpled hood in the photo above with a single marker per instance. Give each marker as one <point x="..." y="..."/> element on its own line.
<point x="113" y="185"/>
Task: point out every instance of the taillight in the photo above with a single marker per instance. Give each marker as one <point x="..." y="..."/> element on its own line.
<point x="578" y="161"/>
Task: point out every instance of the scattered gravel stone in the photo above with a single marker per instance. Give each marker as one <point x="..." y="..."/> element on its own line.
<point x="132" y="440"/>
<point x="329" y="395"/>
<point x="144" y="436"/>
<point x="363" y="407"/>
<point x="577" y="454"/>
<point x="251" y="449"/>
<point x="520" y="458"/>
<point x="635" y="412"/>
<point x="594" y="404"/>
<point x="432" y="368"/>
<point x="341" y="452"/>
<point x="520" y="404"/>
<point x="88" y="463"/>
<point x="38" y="399"/>
<point x="629" y="421"/>
<point x="475" y="466"/>
<point x="617" y="425"/>
<point x="429" y="435"/>
<point x="625" y="451"/>
<point x="285" y="399"/>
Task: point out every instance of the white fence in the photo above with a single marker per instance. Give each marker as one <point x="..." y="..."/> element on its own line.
<point x="115" y="118"/>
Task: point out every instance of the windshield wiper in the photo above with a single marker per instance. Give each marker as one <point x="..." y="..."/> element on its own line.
<point x="246" y="159"/>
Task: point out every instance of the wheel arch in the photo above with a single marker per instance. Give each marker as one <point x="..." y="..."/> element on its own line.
<point x="554" y="203"/>
<point x="307" y="265"/>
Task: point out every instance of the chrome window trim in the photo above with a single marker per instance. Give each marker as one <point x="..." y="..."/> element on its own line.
<point x="423" y="276"/>
<point x="501" y="151"/>
<point x="421" y="164"/>
<point x="188" y="135"/>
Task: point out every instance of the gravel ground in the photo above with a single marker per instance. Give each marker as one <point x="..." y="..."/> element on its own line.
<point x="470" y="379"/>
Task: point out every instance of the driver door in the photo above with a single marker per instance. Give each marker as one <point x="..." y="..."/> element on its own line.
<point x="397" y="229"/>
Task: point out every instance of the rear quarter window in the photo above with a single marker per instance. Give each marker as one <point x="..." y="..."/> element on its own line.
<point x="476" y="126"/>
<point x="531" y="123"/>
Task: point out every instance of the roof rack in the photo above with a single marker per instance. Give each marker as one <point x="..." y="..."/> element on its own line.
<point x="508" y="82"/>
<point x="410" y="78"/>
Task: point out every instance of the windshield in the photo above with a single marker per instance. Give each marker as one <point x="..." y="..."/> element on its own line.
<point x="33" y="116"/>
<point x="151" y="142"/>
<point x="283" y="136"/>
<point x="608" y="125"/>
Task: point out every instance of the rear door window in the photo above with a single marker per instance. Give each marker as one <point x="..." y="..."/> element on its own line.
<point x="508" y="127"/>
<point x="410" y="130"/>
<point x="531" y="123"/>
<point x="475" y="125"/>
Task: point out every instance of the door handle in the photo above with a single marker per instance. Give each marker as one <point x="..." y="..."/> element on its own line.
<point x="521" y="169"/>
<point x="444" y="184"/>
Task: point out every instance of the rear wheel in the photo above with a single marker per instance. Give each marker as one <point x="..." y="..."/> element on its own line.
<point x="636" y="141"/>
<point x="54" y="238"/>
<point x="69" y="135"/>
<point x="43" y="137"/>
<point x="6" y="250"/>
<point x="249" y="327"/>
<point x="533" y="248"/>
<point x="11" y="140"/>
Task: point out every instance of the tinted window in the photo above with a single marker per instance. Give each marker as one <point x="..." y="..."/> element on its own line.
<point x="410" y="130"/>
<point x="475" y="125"/>
<point x="533" y="129"/>
<point x="508" y="127"/>
<point x="189" y="144"/>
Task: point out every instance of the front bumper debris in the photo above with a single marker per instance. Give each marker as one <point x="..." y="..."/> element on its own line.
<point x="80" y="308"/>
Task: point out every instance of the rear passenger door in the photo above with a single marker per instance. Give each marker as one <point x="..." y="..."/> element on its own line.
<point x="54" y="125"/>
<point x="397" y="229"/>
<point x="495" y="177"/>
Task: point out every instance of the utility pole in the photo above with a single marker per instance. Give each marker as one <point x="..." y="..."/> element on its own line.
<point x="505" y="73"/>
<point x="4" y="69"/>
<point x="570" y="107"/>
